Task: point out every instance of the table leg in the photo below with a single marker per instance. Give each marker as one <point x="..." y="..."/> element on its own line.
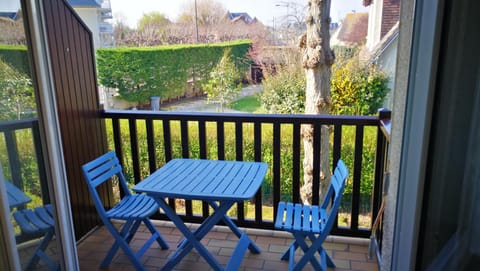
<point x="192" y="238"/>
<point x="228" y="221"/>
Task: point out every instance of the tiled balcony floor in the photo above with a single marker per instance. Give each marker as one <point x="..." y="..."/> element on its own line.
<point x="350" y="255"/>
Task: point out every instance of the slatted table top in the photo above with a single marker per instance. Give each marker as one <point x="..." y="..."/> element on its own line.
<point x="16" y="197"/>
<point x="205" y="180"/>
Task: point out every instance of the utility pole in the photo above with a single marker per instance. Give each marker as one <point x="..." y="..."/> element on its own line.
<point x="196" y="22"/>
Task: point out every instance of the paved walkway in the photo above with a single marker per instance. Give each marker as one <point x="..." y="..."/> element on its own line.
<point x="201" y="105"/>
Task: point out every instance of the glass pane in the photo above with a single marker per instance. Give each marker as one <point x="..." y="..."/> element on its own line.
<point x="20" y="147"/>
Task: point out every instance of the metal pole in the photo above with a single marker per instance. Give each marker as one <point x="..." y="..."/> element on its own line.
<point x="196" y="22"/>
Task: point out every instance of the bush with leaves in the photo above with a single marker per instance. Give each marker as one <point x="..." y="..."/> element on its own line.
<point x="16" y="94"/>
<point x="284" y="86"/>
<point x="357" y="89"/>
<point x="223" y="84"/>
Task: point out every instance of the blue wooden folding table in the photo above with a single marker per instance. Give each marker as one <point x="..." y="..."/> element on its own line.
<point x="219" y="183"/>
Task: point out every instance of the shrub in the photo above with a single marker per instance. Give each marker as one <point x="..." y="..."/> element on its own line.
<point x="284" y="89"/>
<point x="16" y="96"/>
<point x="356" y="88"/>
<point x="222" y="86"/>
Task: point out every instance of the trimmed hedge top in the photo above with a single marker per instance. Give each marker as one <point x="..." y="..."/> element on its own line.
<point x="16" y="56"/>
<point x="142" y="72"/>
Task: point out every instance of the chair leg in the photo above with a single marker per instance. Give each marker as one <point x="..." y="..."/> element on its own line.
<point x="309" y="252"/>
<point x="161" y="242"/>
<point x="122" y="240"/>
<point x="40" y="254"/>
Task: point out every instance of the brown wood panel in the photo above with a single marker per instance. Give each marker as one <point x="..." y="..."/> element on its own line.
<point x="83" y="132"/>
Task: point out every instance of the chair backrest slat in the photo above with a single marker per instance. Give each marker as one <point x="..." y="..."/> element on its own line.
<point x="335" y="191"/>
<point x="100" y="170"/>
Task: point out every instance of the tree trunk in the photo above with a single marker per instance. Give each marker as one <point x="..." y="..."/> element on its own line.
<point x="317" y="61"/>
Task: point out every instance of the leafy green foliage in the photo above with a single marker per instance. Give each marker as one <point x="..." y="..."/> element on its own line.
<point x="284" y="90"/>
<point x="153" y="19"/>
<point x="16" y="94"/>
<point x="222" y="86"/>
<point x="16" y="56"/>
<point x="356" y="89"/>
<point x="140" y="73"/>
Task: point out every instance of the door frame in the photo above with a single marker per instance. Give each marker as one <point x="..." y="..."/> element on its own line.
<point x="35" y="32"/>
<point x="425" y="47"/>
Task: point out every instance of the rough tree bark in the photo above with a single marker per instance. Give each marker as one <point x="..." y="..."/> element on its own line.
<point x="317" y="60"/>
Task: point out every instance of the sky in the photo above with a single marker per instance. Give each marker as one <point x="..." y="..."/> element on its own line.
<point x="264" y="10"/>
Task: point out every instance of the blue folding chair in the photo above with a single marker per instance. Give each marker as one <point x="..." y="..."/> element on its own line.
<point x="312" y="222"/>
<point x="133" y="209"/>
<point x="33" y="223"/>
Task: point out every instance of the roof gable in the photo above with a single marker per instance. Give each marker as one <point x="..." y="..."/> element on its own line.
<point x="235" y="16"/>
<point x="354" y="28"/>
<point x="84" y="3"/>
<point x="9" y="15"/>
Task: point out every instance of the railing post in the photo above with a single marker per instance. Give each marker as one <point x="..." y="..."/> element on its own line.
<point x="14" y="160"/>
<point x="42" y="174"/>
<point x="381" y="164"/>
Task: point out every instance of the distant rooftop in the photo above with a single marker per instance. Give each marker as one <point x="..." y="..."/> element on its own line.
<point x="83" y="3"/>
<point x="353" y="30"/>
<point x="9" y="15"/>
<point x="235" y="16"/>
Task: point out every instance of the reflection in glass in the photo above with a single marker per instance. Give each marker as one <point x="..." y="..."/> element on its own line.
<point x="20" y="148"/>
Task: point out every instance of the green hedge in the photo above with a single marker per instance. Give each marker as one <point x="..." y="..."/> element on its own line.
<point x="142" y="72"/>
<point x="16" y="56"/>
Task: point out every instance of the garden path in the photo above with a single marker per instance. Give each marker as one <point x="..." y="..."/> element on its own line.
<point x="201" y="105"/>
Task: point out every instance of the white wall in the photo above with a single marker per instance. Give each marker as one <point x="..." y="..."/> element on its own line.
<point x="90" y="18"/>
<point x="374" y="24"/>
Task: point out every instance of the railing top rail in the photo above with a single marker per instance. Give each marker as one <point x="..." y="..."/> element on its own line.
<point x="245" y="117"/>
<point x="17" y="124"/>
<point x="385" y="117"/>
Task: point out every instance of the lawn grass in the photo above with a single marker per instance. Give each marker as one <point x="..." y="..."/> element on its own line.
<point x="249" y="104"/>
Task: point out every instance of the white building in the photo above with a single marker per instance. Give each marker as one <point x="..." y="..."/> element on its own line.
<point x="96" y="14"/>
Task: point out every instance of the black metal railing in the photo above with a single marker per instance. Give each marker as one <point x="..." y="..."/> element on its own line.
<point x="145" y="140"/>
<point x="19" y="169"/>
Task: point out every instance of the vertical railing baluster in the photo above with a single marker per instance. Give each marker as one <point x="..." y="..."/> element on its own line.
<point x="132" y="125"/>
<point x="337" y="152"/>
<point x="167" y="144"/>
<point x="239" y="157"/>
<point x="13" y="158"/>
<point x="357" y="175"/>
<point x="117" y="141"/>
<point x="221" y="140"/>
<point x="257" y="146"/>
<point x="42" y="174"/>
<point x="202" y="140"/>
<point x="317" y="137"/>
<point x="337" y="144"/>
<point x="152" y="162"/>
<point x="296" y="163"/>
<point x="167" y="140"/>
<point x="277" y="140"/>
<point x="184" y="138"/>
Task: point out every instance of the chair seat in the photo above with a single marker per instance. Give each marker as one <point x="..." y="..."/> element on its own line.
<point x="133" y="207"/>
<point x="297" y="217"/>
<point x="35" y="221"/>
